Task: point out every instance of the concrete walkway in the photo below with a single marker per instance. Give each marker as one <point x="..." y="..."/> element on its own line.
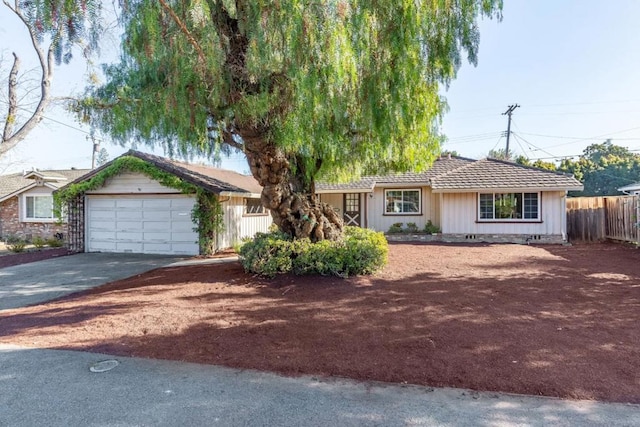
<point x="40" y="281"/>
<point x="56" y="388"/>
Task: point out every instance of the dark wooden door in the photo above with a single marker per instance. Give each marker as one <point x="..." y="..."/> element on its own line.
<point x="352" y="214"/>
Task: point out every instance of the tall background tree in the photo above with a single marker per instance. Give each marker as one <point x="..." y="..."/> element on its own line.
<point x="324" y="89"/>
<point x="603" y="168"/>
<point x="55" y="28"/>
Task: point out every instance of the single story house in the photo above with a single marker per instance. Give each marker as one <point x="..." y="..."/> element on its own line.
<point x="26" y="202"/>
<point x="631" y="189"/>
<point x="468" y="200"/>
<point x="131" y="211"/>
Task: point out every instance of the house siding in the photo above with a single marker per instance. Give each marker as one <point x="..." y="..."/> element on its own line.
<point x="381" y="222"/>
<point x="132" y="183"/>
<point x="459" y="216"/>
<point x="239" y="226"/>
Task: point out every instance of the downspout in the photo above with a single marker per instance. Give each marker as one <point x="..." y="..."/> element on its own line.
<point x="563" y="226"/>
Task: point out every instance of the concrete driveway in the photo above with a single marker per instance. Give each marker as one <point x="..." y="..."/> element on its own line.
<point x="36" y="282"/>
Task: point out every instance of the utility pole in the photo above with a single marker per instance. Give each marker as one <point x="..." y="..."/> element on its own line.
<point x="508" y="113"/>
<point x="96" y="148"/>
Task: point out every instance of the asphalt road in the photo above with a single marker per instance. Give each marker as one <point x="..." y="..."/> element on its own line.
<point x="56" y="388"/>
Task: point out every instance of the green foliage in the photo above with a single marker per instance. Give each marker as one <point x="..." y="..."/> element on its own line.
<point x="39" y="242"/>
<point x="208" y="215"/>
<point x="338" y="87"/>
<point x="603" y="168"/>
<point x="361" y="251"/>
<point x="15" y="244"/>
<point x="54" y="242"/>
<point x="396" y="227"/>
<point x="412" y="227"/>
<point x="431" y="228"/>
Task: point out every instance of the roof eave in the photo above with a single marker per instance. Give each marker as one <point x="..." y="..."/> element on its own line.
<point x="17" y="192"/>
<point x="506" y="189"/>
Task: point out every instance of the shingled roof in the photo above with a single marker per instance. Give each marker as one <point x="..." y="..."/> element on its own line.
<point x="209" y="178"/>
<point x="457" y="174"/>
<point x="16" y="183"/>
<point x="487" y="174"/>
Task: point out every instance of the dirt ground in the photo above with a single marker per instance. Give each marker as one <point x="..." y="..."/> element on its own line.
<point x="553" y="320"/>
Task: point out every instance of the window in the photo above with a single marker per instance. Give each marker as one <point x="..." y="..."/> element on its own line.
<point x="509" y="206"/>
<point x="254" y="207"/>
<point x="402" y="201"/>
<point x="38" y="207"/>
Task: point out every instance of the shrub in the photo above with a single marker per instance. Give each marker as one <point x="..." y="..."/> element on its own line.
<point x="38" y="242"/>
<point x="431" y="228"/>
<point x="395" y="228"/>
<point x="361" y="251"/>
<point x="411" y="227"/>
<point x="16" y="244"/>
<point x="55" y="242"/>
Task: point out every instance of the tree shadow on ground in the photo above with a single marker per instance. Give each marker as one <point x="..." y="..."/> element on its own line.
<point x="521" y="323"/>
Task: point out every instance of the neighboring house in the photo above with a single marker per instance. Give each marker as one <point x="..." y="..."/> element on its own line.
<point x="26" y="202"/>
<point x="469" y="200"/>
<point x="134" y="213"/>
<point x="632" y="189"/>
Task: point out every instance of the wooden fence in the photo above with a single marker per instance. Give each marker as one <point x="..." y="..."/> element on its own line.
<point x="590" y="219"/>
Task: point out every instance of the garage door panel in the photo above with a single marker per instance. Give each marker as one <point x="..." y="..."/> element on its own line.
<point x="102" y="214"/>
<point x="103" y="203"/>
<point x="129" y="204"/>
<point x="129" y="247"/>
<point x="158" y="215"/>
<point x="103" y="225"/>
<point x="157" y="248"/>
<point x="184" y="248"/>
<point x="182" y="237"/>
<point x="128" y="236"/>
<point x="159" y="224"/>
<point x="156" y="226"/>
<point x="128" y="215"/>
<point x="163" y="204"/>
<point x="182" y="227"/>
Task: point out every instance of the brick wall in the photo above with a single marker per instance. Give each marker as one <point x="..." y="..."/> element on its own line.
<point x="10" y="224"/>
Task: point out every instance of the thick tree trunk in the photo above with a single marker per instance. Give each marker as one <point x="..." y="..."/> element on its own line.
<point x="292" y="202"/>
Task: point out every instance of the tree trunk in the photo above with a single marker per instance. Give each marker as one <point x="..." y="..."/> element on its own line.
<point x="290" y="198"/>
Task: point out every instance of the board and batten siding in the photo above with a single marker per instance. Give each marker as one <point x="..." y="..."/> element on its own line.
<point x="380" y="221"/>
<point x="460" y="211"/>
<point x="133" y="183"/>
<point x="237" y="225"/>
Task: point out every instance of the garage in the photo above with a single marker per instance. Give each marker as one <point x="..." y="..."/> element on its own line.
<point x="149" y="224"/>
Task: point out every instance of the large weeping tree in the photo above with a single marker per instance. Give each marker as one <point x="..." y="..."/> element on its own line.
<point x="54" y="29"/>
<point x="306" y="89"/>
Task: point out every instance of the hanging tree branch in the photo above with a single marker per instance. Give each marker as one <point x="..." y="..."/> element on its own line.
<point x="46" y="61"/>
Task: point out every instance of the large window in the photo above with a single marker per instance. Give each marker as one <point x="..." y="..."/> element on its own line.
<point x="254" y="207"/>
<point x="402" y="201"/>
<point x="509" y="206"/>
<point x="38" y="208"/>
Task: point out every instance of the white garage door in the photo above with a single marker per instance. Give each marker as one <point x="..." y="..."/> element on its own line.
<point x="141" y="224"/>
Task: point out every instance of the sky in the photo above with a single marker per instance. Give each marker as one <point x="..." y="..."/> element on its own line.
<point x="572" y="66"/>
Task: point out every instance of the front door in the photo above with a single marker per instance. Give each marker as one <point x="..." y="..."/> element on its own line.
<point x="352" y="213"/>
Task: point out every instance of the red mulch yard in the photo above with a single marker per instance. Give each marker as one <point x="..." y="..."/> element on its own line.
<point x="542" y="320"/>
<point x="9" y="259"/>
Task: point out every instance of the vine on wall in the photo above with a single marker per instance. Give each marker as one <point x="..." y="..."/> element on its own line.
<point x="207" y="212"/>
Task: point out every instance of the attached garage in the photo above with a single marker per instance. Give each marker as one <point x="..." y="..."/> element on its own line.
<point x="155" y="224"/>
<point x="141" y="203"/>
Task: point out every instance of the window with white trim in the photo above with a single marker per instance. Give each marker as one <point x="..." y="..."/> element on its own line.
<point x="254" y="207"/>
<point x="509" y="206"/>
<point x="38" y="208"/>
<point x="399" y="202"/>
